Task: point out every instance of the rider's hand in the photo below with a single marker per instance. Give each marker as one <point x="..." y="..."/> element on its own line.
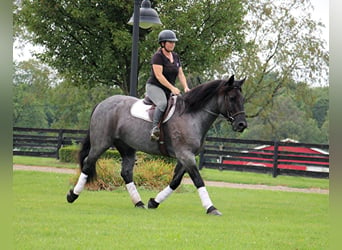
<point x="186" y="89"/>
<point x="175" y="91"/>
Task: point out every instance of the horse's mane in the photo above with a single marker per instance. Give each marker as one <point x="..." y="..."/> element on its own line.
<point x="197" y="97"/>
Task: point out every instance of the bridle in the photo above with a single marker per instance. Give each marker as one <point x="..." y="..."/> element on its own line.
<point x="230" y="117"/>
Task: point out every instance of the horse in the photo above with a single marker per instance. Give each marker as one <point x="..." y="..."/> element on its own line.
<point x="112" y="125"/>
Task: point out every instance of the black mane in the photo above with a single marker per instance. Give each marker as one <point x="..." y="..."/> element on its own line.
<point x="197" y="97"/>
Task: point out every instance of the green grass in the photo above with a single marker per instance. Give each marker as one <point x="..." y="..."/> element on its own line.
<point x="252" y="219"/>
<point x="265" y="179"/>
<point x="42" y="161"/>
<point x="208" y="174"/>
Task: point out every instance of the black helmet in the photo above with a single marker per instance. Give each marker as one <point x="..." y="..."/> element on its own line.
<point x="167" y="36"/>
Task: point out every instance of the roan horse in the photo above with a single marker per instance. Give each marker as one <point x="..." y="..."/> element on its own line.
<point x="112" y="125"/>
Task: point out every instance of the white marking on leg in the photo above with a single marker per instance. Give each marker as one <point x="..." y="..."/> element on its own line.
<point x="166" y="192"/>
<point x="82" y="180"/>
<point x="205" y="199"/>
<point x="133" y="192"/>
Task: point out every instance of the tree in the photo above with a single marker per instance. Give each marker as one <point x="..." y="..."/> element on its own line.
<point x="321" y="105"/>
<point x="31" y="87"/>
<point x="73" y="105"/>
<point x="282" y="46"/>
<point x="42" y="100"/>
<point x="89" y="42"/>
<point x="286" y="120"/>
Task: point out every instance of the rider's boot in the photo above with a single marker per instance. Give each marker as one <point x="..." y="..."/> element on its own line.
<point x="155" y="132"/>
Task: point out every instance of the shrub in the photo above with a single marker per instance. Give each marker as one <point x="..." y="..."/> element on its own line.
<point x="150" y="174"/>
<point x="70" y="154"/>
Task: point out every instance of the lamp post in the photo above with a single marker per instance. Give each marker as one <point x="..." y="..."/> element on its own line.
<point x="145" y="17"/>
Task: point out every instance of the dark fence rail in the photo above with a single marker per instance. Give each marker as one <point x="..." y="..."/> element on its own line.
<point x="259" y="156"/>
<point x="275" y="157"/>
<point x="44" y="142"/>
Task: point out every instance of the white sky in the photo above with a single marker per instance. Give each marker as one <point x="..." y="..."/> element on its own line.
<point x="321" y="13"/>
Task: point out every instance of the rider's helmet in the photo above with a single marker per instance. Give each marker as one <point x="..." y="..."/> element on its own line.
<point x="167" y="36"/>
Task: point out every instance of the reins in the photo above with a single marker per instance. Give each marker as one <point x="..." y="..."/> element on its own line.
<point x="230" y="118"/>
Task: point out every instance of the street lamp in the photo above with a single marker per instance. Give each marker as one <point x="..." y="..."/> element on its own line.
<point x="145" y="17"/>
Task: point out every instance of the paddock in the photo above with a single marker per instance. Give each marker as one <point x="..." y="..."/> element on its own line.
<point x="252" y="219"/>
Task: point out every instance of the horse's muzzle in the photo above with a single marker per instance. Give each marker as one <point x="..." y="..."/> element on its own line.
<point x="239" y="124"/>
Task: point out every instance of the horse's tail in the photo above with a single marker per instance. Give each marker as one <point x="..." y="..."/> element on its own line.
<point x="83" y="153"/>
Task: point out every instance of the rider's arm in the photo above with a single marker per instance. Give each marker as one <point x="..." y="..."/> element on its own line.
<point x="158" y="72"/>
<point x="182" y="79"/>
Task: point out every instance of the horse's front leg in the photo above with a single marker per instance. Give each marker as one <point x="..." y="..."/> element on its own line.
<point x="189" y="162"/>
<point x="166" y="192"/>
<point x="202" y="191"/>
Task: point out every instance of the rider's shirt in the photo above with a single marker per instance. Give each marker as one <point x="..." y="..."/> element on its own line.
<point x="170" y="70"/>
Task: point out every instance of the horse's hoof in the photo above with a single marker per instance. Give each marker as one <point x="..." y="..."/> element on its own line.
<point x="213" y="211"/>
<point x="140" y="204"/>
<point x="71" y="196"/>
<point x="152" y="204"/>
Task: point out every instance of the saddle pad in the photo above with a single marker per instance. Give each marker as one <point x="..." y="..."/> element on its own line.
<point x="140" y="110"/>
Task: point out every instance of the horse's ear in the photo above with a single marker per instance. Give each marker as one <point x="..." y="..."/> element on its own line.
<point x="230" y="81"/>
<point x="242" y="81"/>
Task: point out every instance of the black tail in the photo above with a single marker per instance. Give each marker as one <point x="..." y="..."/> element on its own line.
<point x="83" y="153"/>
<point x="84" y="150"/>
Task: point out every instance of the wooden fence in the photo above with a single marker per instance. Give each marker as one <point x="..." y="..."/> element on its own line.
<point x="44" y="142"/>
<point x="259" y="156"/>
<point x="277" y="158"/>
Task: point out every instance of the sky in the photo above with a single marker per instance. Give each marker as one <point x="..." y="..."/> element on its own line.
<point x="320" y="13"/>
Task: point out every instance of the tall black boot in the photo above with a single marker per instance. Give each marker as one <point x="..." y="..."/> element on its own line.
<point x="155" y="132"/>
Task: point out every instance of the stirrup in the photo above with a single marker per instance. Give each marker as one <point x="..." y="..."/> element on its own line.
<point x="155" y="132"/>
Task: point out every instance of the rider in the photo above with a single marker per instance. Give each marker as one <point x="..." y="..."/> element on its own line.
<point x="166" y="67"/>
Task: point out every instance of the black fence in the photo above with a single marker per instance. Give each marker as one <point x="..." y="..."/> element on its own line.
<point x="44" y="142"/>
<point x="277" y="158"/>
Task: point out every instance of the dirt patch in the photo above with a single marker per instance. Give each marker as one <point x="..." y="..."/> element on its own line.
<point x="187" y="181"/>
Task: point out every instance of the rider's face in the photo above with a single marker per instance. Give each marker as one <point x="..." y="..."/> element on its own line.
<point x="169" y="46"/>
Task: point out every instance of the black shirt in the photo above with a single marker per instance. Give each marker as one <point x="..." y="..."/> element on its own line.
<point x="170" y="70"/>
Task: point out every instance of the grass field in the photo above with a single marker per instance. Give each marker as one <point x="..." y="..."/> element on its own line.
<point x="252" y="219"/>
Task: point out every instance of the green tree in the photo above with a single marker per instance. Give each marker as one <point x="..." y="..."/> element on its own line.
<point x="286" y="120"/>
<point x="89" y="42"/>
<point x="73" y="105"/>
<point x="321" y="105"/>
<point x="30" y="95"/>
<point x="283" y="45"/>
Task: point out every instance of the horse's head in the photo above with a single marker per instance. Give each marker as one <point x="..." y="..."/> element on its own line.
<point x="233" y="104"/>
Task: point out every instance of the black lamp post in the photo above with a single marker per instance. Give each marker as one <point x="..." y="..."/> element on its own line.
<point x="145" y="17"/>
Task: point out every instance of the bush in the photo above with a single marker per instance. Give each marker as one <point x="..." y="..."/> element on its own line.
<point x="150" y="174"/>
<point x="70" y="154"/>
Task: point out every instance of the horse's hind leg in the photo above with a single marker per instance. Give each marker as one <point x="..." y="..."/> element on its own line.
<point x="88" y="172"/>
<point x="166" y="192"/>
<point x="128" y="159"/>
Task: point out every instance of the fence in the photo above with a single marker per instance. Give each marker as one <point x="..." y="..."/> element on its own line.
<point x="219" y="153"/>
<point x="44" y="142"/>
<point x="277" y="158"/>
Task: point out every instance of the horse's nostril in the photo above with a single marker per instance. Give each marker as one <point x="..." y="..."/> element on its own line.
<point x="242" y="124"/>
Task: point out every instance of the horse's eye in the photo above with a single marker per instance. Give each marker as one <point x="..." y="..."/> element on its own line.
<point x="232" y="98"/>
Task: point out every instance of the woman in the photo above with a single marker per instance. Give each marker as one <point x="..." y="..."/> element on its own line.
<point x="166" y="67"/>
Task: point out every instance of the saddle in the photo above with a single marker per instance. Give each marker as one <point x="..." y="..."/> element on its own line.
<point x="144" y="109"/>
